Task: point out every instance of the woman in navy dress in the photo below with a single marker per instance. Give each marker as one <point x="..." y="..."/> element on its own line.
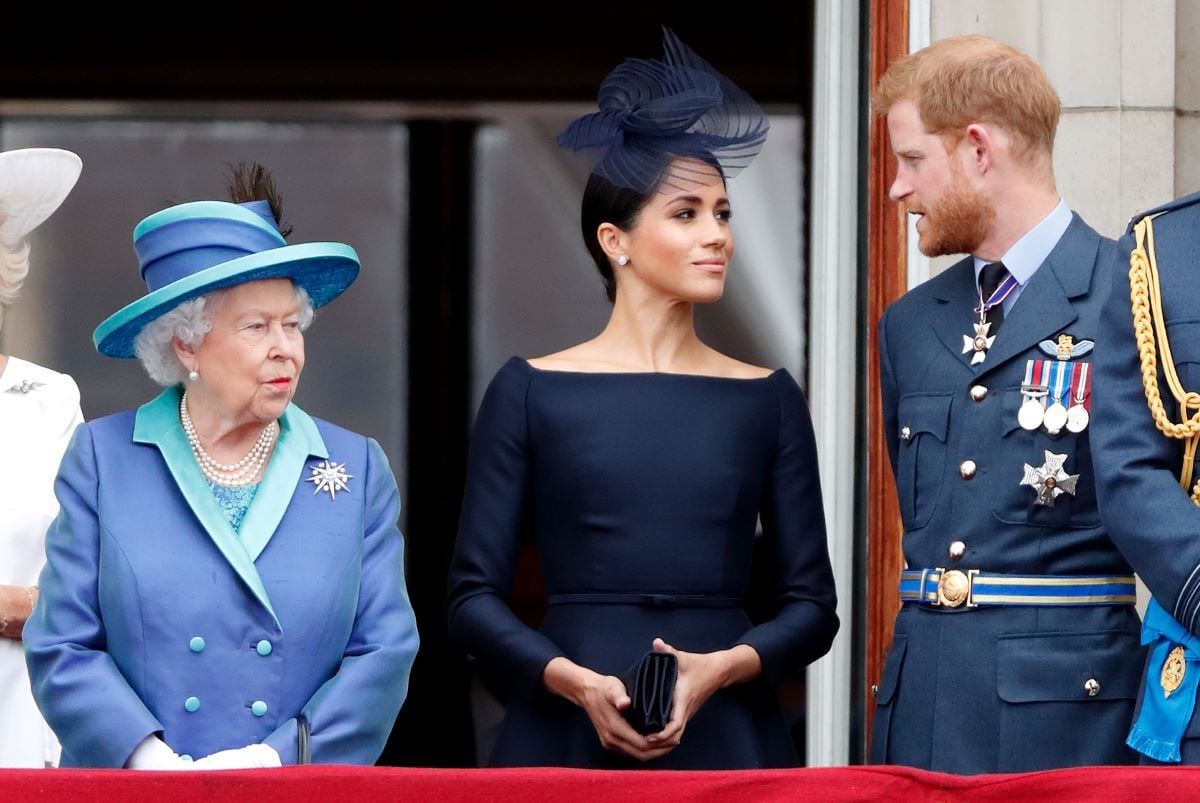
<point x="643" y="460"/>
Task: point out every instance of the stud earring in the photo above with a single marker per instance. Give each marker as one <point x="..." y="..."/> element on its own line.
<point x="193" y="375"/>
<point x="622" y="260"/>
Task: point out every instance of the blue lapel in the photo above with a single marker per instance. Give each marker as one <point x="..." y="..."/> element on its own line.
<point x="157" y="423"/>
<point x="956" y="296"/>
<point x="298" y="439"/>
<point x="1044" y="308"/>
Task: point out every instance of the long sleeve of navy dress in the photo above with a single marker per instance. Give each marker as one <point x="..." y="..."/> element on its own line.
<point x="643" y="492"/>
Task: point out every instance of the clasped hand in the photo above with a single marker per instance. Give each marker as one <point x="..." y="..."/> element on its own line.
<point x="603" y="697"/>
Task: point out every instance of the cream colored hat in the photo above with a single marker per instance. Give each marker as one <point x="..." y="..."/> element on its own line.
<point x="33" y="183"/>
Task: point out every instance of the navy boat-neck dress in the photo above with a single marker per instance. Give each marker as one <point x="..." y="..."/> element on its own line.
<point x="643" y="493"/>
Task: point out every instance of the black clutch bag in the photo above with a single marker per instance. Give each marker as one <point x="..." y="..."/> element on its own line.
<point x="650" y="684"/>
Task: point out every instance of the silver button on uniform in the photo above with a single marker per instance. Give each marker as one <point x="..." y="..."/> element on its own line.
<point x="905" y="434"/>
<point x="966" y="469"/>
<point x="1092" y="687"/>
<point x="874" y="691"/>
<point x="957" y="550"/>
<point x="978" y="393"/>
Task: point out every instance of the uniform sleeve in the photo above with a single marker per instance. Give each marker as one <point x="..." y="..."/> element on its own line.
<point x="485" y="554"/>
<point x="82" y="694"/>
<point x="351" y="715"/>
<point x="793" y="520"/>
<point x="1148" y="515"/>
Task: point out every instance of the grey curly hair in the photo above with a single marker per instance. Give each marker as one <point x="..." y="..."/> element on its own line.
<point x="190" y="321"/>
<point x="14" y="267"/>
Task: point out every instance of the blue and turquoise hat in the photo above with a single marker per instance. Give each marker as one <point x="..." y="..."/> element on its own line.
<point x="189" y="250"/>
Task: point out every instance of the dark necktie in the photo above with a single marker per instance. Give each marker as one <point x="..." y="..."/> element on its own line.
<point x="989" y="279"/>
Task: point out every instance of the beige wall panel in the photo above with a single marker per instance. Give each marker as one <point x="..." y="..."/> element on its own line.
<point x="1013" y="21"/>
<point x="1187" y="155"/>
<point x="1080" y="44"/>
<point x="1147" y="55"/>
<point x="1147" y="172"/>
<point x="1187" y="55"/>
<point x="1087" y="159"/>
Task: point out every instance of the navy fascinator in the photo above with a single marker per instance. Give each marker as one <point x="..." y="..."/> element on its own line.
<point x="654" y="113"/>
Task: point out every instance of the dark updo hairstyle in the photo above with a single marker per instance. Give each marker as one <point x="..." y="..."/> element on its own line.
<point x="605" y="202"/>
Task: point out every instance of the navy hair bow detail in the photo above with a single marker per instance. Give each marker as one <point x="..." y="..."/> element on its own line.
<point x="655" y="113"/>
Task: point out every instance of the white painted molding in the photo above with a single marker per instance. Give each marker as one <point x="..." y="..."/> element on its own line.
<point x="919" y="36"/>
<point x="833" y="266"/>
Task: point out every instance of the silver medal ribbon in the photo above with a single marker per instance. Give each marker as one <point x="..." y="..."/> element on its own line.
<point x="1033" y="391"/>
<point x="1056" y="413"/>
<point x="1078" y="417"/>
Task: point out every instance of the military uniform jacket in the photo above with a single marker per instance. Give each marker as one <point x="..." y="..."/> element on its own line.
<point x="999" y="689"/>
<point x="155" y="616"/>
<point x="1147" y="512"/>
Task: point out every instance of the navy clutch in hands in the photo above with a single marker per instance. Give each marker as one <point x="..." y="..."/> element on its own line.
<point x="650" y="684"/>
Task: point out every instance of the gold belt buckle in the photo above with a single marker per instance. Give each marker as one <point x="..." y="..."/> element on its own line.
<point x="955" y="586"/>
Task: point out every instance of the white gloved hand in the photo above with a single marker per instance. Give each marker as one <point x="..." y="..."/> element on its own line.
<point x="152" y="753"/>
<point x="252" y="756"/>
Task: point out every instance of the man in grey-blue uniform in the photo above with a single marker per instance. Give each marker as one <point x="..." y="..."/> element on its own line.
<point x="1016" y="647"/>
<point x="1145" y="441"/>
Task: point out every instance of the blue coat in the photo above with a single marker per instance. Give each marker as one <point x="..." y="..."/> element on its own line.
<point x="1144" y="507"/>
<point x="1003" y="688"/>
<point x="156" y="617"/>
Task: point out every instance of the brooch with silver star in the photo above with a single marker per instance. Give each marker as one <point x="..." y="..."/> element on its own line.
<point x="1049" y="480"/>
<point x="980" y="343"/>
<point x="329" y="476"/>
<point x="25" y="387"/>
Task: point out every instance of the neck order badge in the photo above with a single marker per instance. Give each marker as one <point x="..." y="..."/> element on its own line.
<point x="982" y="340"/>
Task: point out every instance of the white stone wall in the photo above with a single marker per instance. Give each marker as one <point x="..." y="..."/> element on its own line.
<point x="1128" y="73"/>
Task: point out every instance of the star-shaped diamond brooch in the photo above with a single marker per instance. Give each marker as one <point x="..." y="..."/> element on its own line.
<point x="25" y="387"/>
<point x="329" y="476"/>
<point x="1049" y="480"/>
<point x="980" y="343"/>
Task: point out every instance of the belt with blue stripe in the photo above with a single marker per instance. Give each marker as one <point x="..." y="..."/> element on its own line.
<point x="972" y="588"/>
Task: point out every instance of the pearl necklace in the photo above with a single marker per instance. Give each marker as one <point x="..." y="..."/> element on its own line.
<point x="236" y="475"/>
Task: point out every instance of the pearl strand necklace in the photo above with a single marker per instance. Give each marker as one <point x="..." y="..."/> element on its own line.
<point x="236" y="475"/>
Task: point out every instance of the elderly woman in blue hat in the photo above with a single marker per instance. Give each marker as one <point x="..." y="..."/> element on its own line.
<point x="225" y="581"/>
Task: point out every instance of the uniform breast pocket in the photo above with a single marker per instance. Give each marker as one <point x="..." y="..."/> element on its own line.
<point x="1016" y="503"/>
<point x="1185" y="350"/>
<point x="922" y="419"/>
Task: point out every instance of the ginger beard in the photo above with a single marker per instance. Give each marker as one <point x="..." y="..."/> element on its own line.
<point x="957" y="222"/>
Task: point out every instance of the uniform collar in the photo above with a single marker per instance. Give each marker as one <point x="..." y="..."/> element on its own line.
<point x="1028" y="253"/>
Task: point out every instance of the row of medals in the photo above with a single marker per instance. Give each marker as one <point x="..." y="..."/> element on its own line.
<point x="1034" y="414"/>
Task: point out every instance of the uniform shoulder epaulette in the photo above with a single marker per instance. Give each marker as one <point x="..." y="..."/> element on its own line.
<point x="1169" y="206"/>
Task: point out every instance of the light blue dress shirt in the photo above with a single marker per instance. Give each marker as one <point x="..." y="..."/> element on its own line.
<point x="1028" y="253"/>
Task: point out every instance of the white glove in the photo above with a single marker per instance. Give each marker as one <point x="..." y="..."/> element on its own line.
<point x="152" y="753"/>
<point x="252" y="756"/>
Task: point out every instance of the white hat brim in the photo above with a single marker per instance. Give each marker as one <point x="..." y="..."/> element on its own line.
<point x="33" y="183"/>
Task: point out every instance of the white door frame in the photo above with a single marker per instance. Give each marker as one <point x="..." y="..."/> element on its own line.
<point x="833" y="339"/>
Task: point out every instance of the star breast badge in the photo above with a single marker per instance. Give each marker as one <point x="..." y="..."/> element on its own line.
<point x="329" y="476"/>
<point x="1049" y="480"/>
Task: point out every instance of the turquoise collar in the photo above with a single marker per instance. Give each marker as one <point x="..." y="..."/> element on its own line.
<point x="157" y="423"/>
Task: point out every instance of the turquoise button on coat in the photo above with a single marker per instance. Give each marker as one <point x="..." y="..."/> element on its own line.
<point x="264" y="648"/>
<point x="258" y="708"/>
<point x="197" y="644"/>
<point x="191" y="705"/>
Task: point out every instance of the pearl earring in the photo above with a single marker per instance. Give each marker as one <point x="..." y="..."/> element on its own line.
<point x="622" y="260"/>
<point x="193" y="375"/>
